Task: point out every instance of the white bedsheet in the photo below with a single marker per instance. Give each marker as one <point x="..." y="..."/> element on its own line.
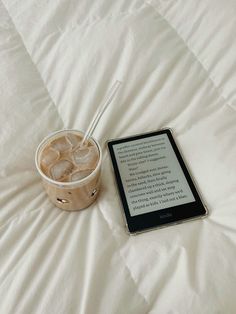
<point x="177" y="62"/>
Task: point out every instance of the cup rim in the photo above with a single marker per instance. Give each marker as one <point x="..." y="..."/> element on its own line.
<point x="66" y="184"/>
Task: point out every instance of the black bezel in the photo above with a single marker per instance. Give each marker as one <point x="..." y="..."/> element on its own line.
<point x="165" y="216"/>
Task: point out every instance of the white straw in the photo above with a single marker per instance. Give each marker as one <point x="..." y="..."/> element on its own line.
<point x="100" y="112"/>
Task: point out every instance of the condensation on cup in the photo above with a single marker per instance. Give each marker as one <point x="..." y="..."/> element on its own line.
<point x="70" y="173"/>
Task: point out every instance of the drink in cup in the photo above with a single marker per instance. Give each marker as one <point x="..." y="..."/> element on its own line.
<point x="70" y="171"/>
<point x="69" y="162"/>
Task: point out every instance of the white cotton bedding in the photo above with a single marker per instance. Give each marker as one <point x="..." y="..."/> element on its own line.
<point x="177" y="61"/>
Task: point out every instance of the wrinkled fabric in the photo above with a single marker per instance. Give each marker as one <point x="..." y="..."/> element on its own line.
<point x="178" y="67"/>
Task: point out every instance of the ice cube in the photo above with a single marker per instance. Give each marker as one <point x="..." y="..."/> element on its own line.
<point x="86" y="155"/>
<point x="81" y="153"/>
<point x="79" y="175"/>
<point x="61" y="144"/>
<point x="48" y="156"/>
<point x="61" y="169"/>
<point x="73" y="139"/>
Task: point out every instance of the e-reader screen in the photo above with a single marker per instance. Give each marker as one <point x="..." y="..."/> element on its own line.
<point x="151" y="175"/>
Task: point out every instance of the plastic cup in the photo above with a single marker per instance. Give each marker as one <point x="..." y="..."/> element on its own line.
<point x="75" y="195"/>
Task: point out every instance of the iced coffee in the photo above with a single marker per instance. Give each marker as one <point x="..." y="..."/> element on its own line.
<point x="70" y="170"/>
